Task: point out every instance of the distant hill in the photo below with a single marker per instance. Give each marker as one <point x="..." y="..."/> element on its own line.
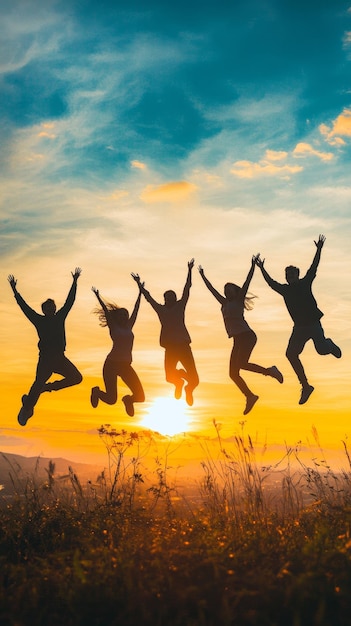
<point x="22" y="468"/>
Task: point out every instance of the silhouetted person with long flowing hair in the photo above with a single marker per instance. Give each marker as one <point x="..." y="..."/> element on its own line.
<point x="303" y="309"/>
<point x="174" y="337"/>
<point x="118" y="361"/>
<point x="52" y="344"/>
<point x="233" y="304"/>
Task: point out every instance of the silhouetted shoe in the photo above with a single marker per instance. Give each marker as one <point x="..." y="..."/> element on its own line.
<point x="129" y="405"/>
<point x="250" y="402"/>
<point x="335" y="351"/>
<point x="25" y="412"/>
<point x="94" y="397"/>
<point x="275" y="373"/>
<point x="305" y="393"/>
<point x="189" y="396"/>
<point x="178" y="389"/>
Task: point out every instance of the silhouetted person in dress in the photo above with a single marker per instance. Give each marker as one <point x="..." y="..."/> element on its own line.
<point x="233" y="304"/>
<point x="118" y="361"/>
<point x="303" y="309"/>
<point x="174" y="338"/>
<point x="52" y="344"/>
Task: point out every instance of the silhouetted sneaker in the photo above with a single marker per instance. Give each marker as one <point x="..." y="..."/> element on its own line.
<point x="129" y="405"/>
<point x="25" y="412"/>
<point x="305" y="393"/>
<point x="178" y="389"/>
<point x="250" y="402"/>
<point x="335" y="351"/>
<point x="275" y="373"/>
<point x="94" y="397"/>
<point x="189" y="396"/>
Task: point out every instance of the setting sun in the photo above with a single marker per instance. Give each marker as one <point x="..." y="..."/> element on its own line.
<point x="167" y="416"/>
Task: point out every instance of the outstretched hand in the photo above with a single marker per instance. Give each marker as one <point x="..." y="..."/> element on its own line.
<point x="191" y="264"/>
<point x="137" y="279"/>
<point x="96" y="291"/>
<point x="77" y="272"/>
<point x="259" y="262"/>
<point x="201" y="270"/>
<point x="12" y="281"/>
<point x="320" y="243"/>
<point x="254" y="259"/>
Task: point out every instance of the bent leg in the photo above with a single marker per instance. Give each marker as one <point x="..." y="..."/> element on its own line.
<point x="109" y="372"/>
<point x="43" y="373"/>
<point x="131" y="379"/>
<point x="186" y="358"/>
<point x="297" y="341"/>
<point x="247" y="342"/>
<point x="322" y="344"/>
<point x="71" y="375"/>
<point x="173" y="375"/>
<point x="235" y="364"/>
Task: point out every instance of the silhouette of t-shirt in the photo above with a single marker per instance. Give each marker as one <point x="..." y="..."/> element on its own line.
<point x="233" y="316"/>
<point x="299" y="299"/>
<point x="50" y="328"/>
<point x="123" y="339"/>
<point x="173" y="329"/>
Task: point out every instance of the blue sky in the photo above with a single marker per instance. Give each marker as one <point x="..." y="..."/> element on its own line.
<point x="245" y="105"/>
<point x="136" y="136"/>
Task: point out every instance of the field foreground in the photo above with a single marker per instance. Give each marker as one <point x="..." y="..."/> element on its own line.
<point x="246" y="551"/>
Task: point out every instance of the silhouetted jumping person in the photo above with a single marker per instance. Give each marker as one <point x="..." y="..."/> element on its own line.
<point x="303" y="309"/>
<point x="233" y="304"/>
<point x="174" y="338"/>
<point x="118" y="361"/>
<point x="52" y="344"/>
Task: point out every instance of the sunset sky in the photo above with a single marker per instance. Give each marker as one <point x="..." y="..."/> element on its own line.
<point x="138" y="135"/>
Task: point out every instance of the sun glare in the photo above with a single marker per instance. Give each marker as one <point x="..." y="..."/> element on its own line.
<point x="167" y="416"/>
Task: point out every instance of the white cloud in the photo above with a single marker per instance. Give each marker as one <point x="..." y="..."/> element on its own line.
<point x="303" y="149"/>
<point x="347" y="39"/>
<point x="275" y="155"/>
<point x="341" y="127"/>
<point x="249" y="169"/>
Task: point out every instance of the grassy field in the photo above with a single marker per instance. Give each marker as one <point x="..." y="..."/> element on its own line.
<point x="256" y="546"/>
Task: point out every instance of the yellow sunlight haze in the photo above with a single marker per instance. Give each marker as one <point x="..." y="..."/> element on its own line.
<point x="167" y="416"/>
<point x="169" y="192"/>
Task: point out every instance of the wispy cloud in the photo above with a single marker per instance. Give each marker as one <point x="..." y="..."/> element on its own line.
<point x="30" y="31"/>
<point x="266" y="167"/>
<point x="347" y="39"/>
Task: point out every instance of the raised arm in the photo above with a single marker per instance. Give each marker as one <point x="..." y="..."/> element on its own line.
<point x="210" y="287"/>
<point x="144" y="291"/>
<point x="247" y="282"/>
<point x="72" y="292"/>
<point x="135" y="311"/>
<point x="260" y="263"/>
<point x="272" y="283"/>
<point x="317" y="257"/>
<point x="186" y="290"/>
<point x="100" y="300"/>
<point x="27" y="310"/>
